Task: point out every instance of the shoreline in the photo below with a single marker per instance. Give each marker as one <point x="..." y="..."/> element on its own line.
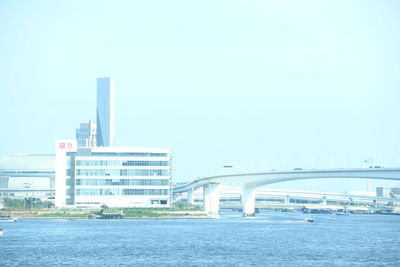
<point x="93" y="215"/>
<point x="126" y="218"/>
<point x="202" y="216"/>
<point x="126" y="213"/>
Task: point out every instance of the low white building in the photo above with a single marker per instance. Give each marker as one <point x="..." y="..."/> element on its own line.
<point x="114" y="176"/>
<point x="27" y="176"/>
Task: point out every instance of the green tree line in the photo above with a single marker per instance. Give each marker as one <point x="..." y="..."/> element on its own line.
<point x="26" y="203"/>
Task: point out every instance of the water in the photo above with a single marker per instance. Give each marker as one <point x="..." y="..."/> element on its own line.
<point x="271" y="239"/>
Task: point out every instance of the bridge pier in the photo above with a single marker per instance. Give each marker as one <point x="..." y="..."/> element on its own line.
<point x="175" y="196"/>
<point x="287" y="200"/>
<point x="211" y="194"/>
<point x="190" y="199"/>
<point x="248" y="201"/>
<point x="324" y="201"/>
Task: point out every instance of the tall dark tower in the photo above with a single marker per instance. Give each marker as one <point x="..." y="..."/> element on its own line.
<point x="105" y="111"/>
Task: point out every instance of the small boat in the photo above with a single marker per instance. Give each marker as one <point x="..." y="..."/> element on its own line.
<point x="342" y="212"/>
<point x="309" y="220"/>
<point x="9" y="219"/>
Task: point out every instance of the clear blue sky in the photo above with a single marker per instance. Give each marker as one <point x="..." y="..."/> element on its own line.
<point x="279" y="83"/>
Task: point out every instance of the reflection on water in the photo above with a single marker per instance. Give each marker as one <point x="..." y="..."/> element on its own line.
<point x="270" y="239"/>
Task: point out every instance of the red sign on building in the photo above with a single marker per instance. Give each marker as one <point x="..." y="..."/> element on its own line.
<point x="67" y="145"/>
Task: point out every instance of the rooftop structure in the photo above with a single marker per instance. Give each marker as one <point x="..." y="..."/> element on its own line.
<point x="86" y="134"/>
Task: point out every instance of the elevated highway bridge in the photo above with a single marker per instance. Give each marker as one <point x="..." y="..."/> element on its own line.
<point x="248" y="182"/>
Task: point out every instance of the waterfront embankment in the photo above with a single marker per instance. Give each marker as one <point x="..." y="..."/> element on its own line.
<point x="127" y="213"/>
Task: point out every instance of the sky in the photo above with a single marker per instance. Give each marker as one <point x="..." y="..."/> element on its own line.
<point x="260" y="84"/>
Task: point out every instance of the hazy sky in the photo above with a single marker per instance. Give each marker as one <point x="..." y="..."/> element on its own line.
<point x="264" y="84"/>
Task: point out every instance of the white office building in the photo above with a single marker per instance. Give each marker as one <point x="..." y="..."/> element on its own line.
<point x="116" y="177"/>
<point x="105" y="111"/>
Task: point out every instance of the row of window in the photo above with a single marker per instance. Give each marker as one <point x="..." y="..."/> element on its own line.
<point x="26" y="172"/>
<point x="121" y="163"/>
<point x="125" y="192"/>
<point x="135" y="154"/>
<point x="22" y="195"/>
<point x="97" y="192"/>
<point x="110" y="172"/>
<point x="145" y="163"/>
<point x="145" y="192"/>
<point x="143" y="182"/>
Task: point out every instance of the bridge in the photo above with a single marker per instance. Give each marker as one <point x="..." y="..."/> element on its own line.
<point x="250" y="181"/>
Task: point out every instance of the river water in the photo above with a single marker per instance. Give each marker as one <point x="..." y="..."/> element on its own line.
<point x="270" y="239"/>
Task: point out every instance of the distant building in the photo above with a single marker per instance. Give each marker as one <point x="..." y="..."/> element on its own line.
<point x="86" y="134"/>
<point x="393" y="192"/>
<point x="105" y="112"/>
<point x="116" y="177"/>
<point x="382" y="192"/>
<point x="27" y="176"/>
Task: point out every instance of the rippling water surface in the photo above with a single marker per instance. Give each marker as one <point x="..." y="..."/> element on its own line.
<point x="271" y="239"/>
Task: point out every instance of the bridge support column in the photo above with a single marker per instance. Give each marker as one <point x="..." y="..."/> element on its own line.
<point x="190" y="199"/>
<point x="175" y="196"/>
<point x="248" y="201"/>
<point x="211" y="194"/>
<point x="287" y="200"/>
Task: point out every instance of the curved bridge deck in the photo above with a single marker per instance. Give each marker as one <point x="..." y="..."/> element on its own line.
<point x="250" y="181"/>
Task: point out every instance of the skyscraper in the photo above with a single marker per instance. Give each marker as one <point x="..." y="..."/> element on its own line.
<point x="105" y="111"/>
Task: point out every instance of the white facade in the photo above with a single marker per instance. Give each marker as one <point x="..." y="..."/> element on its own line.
<point x="105" y="112"/>
<point x="62" y="162"/>
<point x="116" y="177"/>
